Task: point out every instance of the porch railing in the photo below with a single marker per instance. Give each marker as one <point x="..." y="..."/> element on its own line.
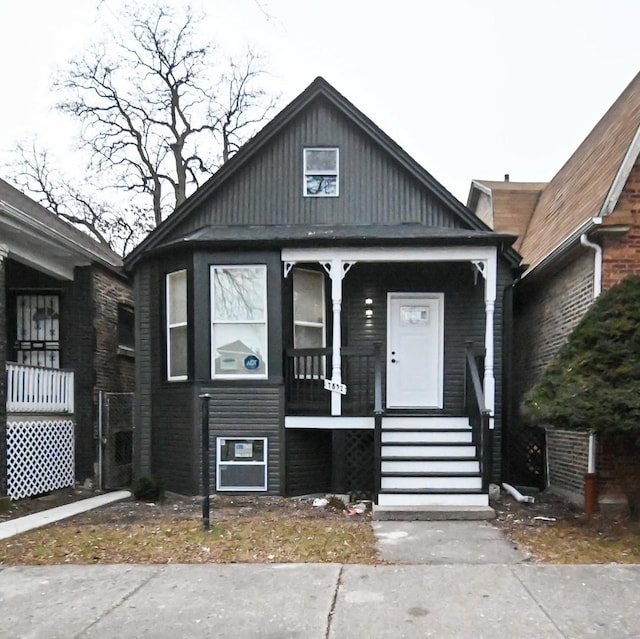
<point x="31" y="389"/>
<point x="477" y="411"/>
<point x="307" y="368"/>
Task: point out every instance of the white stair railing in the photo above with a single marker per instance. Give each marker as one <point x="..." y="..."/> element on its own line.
<point x="31" y="389"/>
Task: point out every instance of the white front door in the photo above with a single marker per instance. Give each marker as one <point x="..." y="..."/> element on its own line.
<point x="415" y="345"/>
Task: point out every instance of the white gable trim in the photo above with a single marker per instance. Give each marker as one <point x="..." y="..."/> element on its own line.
<point x="621" y="177"/>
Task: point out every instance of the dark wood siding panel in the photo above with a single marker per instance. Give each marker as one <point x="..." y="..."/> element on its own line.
<point x="308" y="461"/>
<point x="175" y="445"/>
<point x="464" y="313"/>
<point x="250" y="411"/>
<point x="373" y="187"/>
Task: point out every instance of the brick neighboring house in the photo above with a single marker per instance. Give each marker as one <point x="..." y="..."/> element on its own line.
<point x="66" y="333"/>
<point x="579" y="234"/>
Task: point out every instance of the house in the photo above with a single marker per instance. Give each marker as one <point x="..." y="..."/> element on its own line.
<point x="579" y="234"/>
<point x="344" y="312"/>
<point x="66" y="341"/>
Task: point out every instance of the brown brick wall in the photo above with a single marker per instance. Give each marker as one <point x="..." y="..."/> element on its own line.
<point x="568" y="458"/>
<point x="544" y="316"/>
<point x="621" y="254"/>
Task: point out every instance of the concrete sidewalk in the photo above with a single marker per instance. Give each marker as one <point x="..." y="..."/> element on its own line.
<point x="320" y="601"/>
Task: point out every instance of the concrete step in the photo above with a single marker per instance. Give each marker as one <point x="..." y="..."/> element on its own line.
<point x="431" y="513"/>
<point x="425" y="422"/>
<point x="427" y="436"/>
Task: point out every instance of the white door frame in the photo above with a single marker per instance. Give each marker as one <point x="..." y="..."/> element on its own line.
<point x="439" y="363"/>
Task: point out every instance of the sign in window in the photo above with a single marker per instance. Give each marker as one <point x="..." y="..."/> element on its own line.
<point x="241" y="463"/>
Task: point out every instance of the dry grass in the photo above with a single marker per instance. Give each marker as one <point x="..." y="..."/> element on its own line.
<point x="274" y="531"/>
<point x="553" y="531"/>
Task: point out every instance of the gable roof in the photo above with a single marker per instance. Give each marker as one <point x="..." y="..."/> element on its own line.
<point x="587" y="187"/>
<point x="319" y="88"/>
<point x="510" y="205"/>
<point x="35" y="233"/>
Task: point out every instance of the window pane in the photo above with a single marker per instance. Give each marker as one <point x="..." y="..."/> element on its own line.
<point x="307" y="337"/>
<point x="177" y="283"/>
<point x="178" y="351"/>
<point x="239" y="293"/>
<point x="240" y="349"/>
<point x="308" y="302"/>
<point x="321" y="184"/>
<point x="321" y="160"/>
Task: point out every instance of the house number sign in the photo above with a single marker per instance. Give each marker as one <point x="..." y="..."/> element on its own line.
<point x="335" y="387"/>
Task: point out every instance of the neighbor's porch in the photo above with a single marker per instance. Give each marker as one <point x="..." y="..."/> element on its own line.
<point x="40" y="436"/>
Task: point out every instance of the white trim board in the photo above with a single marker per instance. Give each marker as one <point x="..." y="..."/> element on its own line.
<point x="390" y="254"/>
<point x="356" y="423"/>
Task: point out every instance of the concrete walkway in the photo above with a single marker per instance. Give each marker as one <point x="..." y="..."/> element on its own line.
<point x="37" y="520"/>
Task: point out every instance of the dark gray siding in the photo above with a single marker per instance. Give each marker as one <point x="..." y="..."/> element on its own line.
<point x="464" y="314"/>
<point x="255" y="410"/>
<point x="146" y="305"/>
<point x="308" y="461"/>
<point x="374" y="189"/>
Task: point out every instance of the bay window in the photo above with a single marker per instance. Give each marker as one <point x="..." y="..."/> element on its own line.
<point x="176" y="313"/>
<point x="239" y="321"/>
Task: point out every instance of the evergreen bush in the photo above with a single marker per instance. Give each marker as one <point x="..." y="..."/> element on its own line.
<point x="594" y="380"/>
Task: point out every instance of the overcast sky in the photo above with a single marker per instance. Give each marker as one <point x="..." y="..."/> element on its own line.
<point x="470" y="88"/>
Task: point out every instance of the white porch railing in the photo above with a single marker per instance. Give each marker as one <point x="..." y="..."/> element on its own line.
<point x="31" y="389"/>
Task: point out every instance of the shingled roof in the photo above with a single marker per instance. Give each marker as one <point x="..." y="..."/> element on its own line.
<point x="509" y="207"/>
<point x="590" y="182"/>
<point x="582" y="194"/>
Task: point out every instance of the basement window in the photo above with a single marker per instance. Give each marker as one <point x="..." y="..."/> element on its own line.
<point x="241" y="463"/>
<point x="321" y="172"/>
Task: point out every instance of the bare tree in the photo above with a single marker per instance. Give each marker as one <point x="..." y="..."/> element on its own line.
<point x="158" y="112"/>
<point x="118" y="226"/>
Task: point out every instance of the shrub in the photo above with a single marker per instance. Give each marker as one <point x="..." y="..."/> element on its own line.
<point x="147" y="488"/>
<point x="594" y="380"/>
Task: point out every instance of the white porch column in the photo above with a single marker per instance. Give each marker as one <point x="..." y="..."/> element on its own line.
<point x="490" y="288"/>
<point x="336" y="269"/>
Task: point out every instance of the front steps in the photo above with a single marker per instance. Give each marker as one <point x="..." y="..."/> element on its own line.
<point x="430" y="469"/>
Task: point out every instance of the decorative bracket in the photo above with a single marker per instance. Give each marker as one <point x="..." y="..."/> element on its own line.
<point x="480" y="266"/>
<point x="328" y="267"/>
<point x="287" y="266"/>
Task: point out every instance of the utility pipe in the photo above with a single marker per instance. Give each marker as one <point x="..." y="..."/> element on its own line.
<point x="517" y="495"/>
<point x="590" y="496"/>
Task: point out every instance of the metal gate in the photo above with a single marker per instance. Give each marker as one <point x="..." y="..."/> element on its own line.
<point x="115" y="434"/>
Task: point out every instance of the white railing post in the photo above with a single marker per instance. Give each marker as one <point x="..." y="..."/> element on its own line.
<point x="31" y="389"/>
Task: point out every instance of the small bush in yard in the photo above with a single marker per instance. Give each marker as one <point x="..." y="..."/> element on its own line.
<point x="147" y="488"/>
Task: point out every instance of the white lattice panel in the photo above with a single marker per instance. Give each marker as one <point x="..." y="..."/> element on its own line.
<point x="40" y="456"/>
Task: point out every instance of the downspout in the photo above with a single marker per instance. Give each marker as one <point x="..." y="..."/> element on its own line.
<point x="590" y="493"/>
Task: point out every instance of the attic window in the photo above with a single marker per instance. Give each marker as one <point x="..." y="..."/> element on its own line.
<point x="320" y="172"/>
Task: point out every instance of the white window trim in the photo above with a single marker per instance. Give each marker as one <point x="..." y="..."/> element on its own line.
<point x="174" y="378"/>
<point x="214" y="321"/>
<point x="322" y="325"/>
<point x="264" y="463"/>
<point x="316" y="172"/>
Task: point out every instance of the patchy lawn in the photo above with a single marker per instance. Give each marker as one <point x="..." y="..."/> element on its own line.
<point x="258" y="529"/>
<point x="243" y="529"/>
<point x="557" y="532"/>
